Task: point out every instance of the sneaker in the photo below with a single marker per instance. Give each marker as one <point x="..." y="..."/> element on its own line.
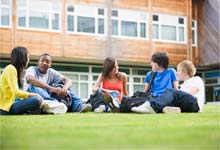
<point x="100" y="109"/>
<point x="171" y="110"/>
<point x="86" y="108"/>
<point x="144" y="109"/>
<point x="110" y="102"/>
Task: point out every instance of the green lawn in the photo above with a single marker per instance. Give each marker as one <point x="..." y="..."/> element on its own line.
<point x="187" y="131"/>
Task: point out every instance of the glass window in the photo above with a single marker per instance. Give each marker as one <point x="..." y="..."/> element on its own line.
<point x="114" y="27"/>
<point x="39" y="14"/>
<point x="181" y="34"/>
<point x="84" y="90"/>
<point x="181" y="21"/>
<point x="5" y="13"/>
<point x="168" y="32"/>
<point x="101" y="26"/>
<point x="129" y="28"/>
<point x="101" y="11"/>
<point x="39" y="20"/>
<point x="115" y="13"/>
<point x="86" y="19"/>
<point x="70" y="8"/>
<point x="21" y="18"/>
<point x="193" y="37"/>
<point x="55" y="22"/>
<point x="194" y="33"/>
<point x="155" y="18"/>
<point x="84" y="77"/>
<point x="169" y="28"/>
<point x="70" y="23"/>
<point x="86" y="24"/>
<point x="127" y="23"/>
<point x="143" y="30"/>
<point x="138" y="87"/>
<point x="156" y="31"/>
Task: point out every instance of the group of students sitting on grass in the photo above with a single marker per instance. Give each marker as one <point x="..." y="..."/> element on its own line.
<point x="32" y="94"/>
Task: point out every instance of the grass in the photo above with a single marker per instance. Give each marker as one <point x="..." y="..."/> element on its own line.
<point x="188" y="131"/>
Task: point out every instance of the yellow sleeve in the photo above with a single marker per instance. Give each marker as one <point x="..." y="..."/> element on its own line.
<point x="13" y="83"/>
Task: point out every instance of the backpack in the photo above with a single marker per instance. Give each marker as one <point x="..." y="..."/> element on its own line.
<point x="67" y="100"/>
<point x="138" y="98"/>
<point x="96" y="99"/>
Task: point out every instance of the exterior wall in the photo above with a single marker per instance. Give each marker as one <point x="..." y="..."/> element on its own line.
<point x="62" y="44"/>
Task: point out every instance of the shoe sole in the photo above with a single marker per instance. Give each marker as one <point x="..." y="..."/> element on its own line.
<point x="171" y="110"/>
<point x="86" y="109"/>
<point x="109" y="101"/>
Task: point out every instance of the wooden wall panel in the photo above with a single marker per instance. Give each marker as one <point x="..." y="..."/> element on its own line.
<point x="6" y="44"/>
<point x="176" y="52"/>
<point x="39" y="42"/>
<point x="81" y="46"/>
<point x="129" y="50"/>
<point x="131" y="4"/>
<point x="176" y="7"/>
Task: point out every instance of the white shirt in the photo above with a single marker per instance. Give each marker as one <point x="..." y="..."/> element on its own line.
<point x="195" y="82"/>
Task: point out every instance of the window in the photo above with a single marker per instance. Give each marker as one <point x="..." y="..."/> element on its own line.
<point x="127" y="23"/>
<point x="169" y="28"/>
<point x="86" y="20"/>
<point x="5" y="13"/>
<point x="40" y="15"/>
<point x="194" y="33"/>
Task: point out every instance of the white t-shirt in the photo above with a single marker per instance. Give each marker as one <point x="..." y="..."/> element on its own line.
<point x="198" y="83"/>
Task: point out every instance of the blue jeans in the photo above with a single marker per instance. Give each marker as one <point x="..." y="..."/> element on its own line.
<point x="77" y="102"/>
<point x="27" y="105"/>
<point x="175" y="98"/>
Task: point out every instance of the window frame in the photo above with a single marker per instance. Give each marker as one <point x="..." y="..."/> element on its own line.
<point x="10" y="14"/>
<point x="51" y="12"/>
<point x="120" y="17"/>
<point x="177" y="25"/>
<point x="88" y="14"/>
<point x="195" y="33"/>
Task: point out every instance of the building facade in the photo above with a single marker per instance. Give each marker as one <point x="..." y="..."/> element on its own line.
<point x="79" y="34"/>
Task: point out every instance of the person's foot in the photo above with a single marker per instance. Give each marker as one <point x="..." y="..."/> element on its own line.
<point x="86" y="108"/>
<point x="110" y="102"/>
<point x="145" y="108"/>
<point x="171" y="110"/>
<point x="100" y="109"/>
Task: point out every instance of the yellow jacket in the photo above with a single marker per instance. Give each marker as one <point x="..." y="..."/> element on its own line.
<point x="9" y="89"/>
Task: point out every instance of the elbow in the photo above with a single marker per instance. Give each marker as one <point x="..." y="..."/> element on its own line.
<point x="29" y="79"/>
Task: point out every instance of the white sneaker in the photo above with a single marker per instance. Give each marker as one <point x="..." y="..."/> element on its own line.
<point x="100" y="109"/>
<point x="171" y="110"/>
<point x="144" y="109"/>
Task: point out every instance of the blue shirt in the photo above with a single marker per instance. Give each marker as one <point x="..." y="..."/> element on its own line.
<point x="162" y="81"/>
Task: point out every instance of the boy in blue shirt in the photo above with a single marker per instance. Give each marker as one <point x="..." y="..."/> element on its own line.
<point x="165" y="77"/>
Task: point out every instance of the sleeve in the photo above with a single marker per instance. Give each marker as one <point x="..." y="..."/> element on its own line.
<point x="173" y="74"/>
<point x="55" y="76"/>
<point x="13" y="83"/>
<point x="197" y="82"/>
<point x="147" y="78"/>
<point x="30" y="71"/>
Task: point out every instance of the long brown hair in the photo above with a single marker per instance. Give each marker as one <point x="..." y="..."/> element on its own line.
<point x="19" y="58"/>
<point x="108" y="65"/>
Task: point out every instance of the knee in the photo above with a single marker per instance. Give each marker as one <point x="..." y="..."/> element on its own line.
<point x="37" y="100"/>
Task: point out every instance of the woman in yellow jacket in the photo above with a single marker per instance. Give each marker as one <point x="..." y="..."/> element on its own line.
<point x="12" y="100"/>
